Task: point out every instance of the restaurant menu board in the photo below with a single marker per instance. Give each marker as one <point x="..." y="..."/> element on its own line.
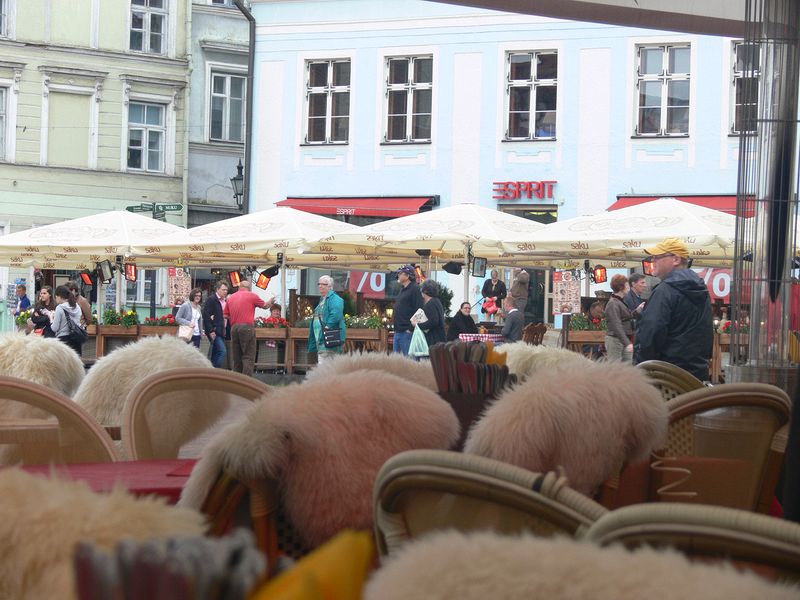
<point x="566" y="293"/>
<point x="180" y="284"/>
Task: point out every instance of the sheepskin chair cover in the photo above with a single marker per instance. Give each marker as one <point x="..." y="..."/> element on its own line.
<point x="485" y="565"/>
<point x="324" y="442"/>
<point x="419" y="372"/>
<point x="589" y="420"/>
<point x="45" y="361"/>
<point x="175" y="418"/>
<point x="524" y="359"/>
<point x="42" y="520"/>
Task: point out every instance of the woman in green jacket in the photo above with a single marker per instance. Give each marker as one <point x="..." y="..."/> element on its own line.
<point x="328" y="313"/>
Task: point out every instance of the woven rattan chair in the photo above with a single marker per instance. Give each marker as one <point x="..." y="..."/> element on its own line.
<point x="706" y="532"/>
<point x="534" y="333"/>
<point x="137" y="436"/>
<point x="672" y="381"/>
<point x="67" y="434"/>
<point x="725" y="446"/>
<point x="425" y="490"/>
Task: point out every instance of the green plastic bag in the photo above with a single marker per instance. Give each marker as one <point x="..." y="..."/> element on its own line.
<point x="419" y="345"/>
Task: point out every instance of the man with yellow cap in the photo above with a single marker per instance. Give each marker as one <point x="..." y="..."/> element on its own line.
<point x="676" y="325"/>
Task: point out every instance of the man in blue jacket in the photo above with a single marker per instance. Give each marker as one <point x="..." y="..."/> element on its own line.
<point x="676" y="325"/>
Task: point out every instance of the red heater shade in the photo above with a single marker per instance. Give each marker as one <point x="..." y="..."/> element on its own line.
<point x="131" y="272"/>
<point x="86" y="277"/>
<point x="262" y="282"/>
<point x="420" y="275"/>
<point x="600" y="274"/>
<point x="647" y="266"/>
<point x="235" y="277"/>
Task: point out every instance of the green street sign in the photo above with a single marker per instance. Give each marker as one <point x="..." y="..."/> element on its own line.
<point x="140" y="208"/>
<point x="169" y="207"/>
<point x="159" y="215"/>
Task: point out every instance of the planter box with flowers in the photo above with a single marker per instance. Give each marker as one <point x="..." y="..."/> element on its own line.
<point x="165" y="325"/>
<point x="583" y="330"/>
<point x="271" y="334"/>
<point x="117" y="330"/>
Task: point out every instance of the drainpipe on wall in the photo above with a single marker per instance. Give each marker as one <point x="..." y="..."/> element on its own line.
<point x="186" y="110"/>
<point x="248" y="132"/>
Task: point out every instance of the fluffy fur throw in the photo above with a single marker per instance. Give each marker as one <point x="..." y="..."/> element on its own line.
<point x="589" y="420"/>
<point x="486" y="565"/>
<point x="42" y="360"/>
<point x="174" y="418"/>
<point x="41" y="521"/>
<point x="324" y="441"/>
<point x="524" y="359"/>
<point x="419" y="372"/>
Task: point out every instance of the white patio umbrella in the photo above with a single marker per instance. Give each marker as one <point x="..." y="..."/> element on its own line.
<point x="452" y="233"/>
<point x="83" y="242"/>
<point x="622" y="235"/>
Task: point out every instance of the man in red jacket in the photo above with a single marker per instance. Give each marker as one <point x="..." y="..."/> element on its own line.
<point x="240" y="310"/>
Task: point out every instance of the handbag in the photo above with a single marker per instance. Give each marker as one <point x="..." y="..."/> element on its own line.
<point x="185" y="332"/>
<point x="77" y="333"/>
<point x="331" y="337"/>
<point x="489" y="306"/>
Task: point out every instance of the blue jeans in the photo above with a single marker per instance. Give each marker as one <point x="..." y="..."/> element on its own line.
<point x="218" y="352"/>
<point x="402" y="340"/>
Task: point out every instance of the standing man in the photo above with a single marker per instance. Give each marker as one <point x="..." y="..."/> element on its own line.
<point x="23" y="303"/>
<point x="240" y="309"/>
<point x="408" y="301"/>
<point x="514" y="321"/>
<point x="217" y="328"/>
<point x="519" y="289"/>
<point x="83" y="303"/>
<point x="677" y="325"/>
<point x="633" y="299"/>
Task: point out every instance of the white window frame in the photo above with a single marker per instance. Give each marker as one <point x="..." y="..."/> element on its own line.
<point x="226" y="3"/>
<point x="329" y="89"/>
<point x="162" y="129"/>
<point x="170" y="102"/>
<point x="533" y="83"/>
<point x="8" y="19"/>
<point x="214" y="68"/>
<point x="167" y="45"/>
<point x="411" y="87"/>
<point x="736" y="75"/>
<point x="665" y="78"/>
<point x="8" y="127"/>
<point x="141" y="280"/>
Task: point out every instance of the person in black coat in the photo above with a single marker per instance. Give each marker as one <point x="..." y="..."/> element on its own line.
<point x="462" y="323"/>
<point x="496" y="289"/>
<point x="216" y="329"/>
<point x="434" y="326"/>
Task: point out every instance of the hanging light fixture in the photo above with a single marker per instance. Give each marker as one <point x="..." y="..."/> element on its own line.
<point x="237" y="182"/>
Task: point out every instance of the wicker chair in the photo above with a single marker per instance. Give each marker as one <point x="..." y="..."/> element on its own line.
<point x="137" y="436"/>
<point x="771" y="545"/>
<point x="672" y="381"/>
<point x="534" y="333"/>
<point x="67" y="435"/>
<point x="425" y="490"/>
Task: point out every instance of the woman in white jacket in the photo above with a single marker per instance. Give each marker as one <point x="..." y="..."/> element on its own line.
<point x="67" y="308"/>
<point x="190" y="313"/>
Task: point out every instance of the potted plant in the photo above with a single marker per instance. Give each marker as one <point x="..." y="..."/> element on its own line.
<point x="583" y="329"/>
<point x="118" y="329"/>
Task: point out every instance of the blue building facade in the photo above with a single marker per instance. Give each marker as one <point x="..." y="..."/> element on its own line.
<point x="545" y="118"/>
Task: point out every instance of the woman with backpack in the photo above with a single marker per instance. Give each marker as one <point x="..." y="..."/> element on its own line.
<point x="67" y="319"/>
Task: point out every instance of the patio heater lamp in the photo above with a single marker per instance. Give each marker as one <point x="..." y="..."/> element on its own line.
<point x="235" y="277"/>
<point x="237" y="181"/>
<point x="647" y="266"/>
<point x="420" y="275"/>
<point x="264" y="277"/>
<point x="599" y="274"/>
<point x="131" y="272"/>
<point x="86" y="278"/>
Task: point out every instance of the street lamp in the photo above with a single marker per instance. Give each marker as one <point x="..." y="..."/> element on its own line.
<point x="238" y="184"/>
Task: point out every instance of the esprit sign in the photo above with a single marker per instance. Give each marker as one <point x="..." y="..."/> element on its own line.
<point x="517" y="190"/>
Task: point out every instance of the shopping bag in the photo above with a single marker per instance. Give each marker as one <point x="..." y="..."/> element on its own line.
<point x="419" y="345"/>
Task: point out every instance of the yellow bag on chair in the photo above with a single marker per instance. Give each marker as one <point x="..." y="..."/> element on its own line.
<point x="334" y="571"/>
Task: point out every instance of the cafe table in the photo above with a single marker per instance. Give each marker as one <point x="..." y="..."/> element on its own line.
<point x="163" y="477"/>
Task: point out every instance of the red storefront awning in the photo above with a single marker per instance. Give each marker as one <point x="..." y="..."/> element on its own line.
<point x="393" y="206"/>
<point x="726" y="204"/>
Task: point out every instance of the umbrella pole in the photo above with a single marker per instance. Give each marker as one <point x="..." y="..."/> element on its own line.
<point x="118" y="303"/>
<point x="467" y="250"/>
<point x="101" y="305"/>
<point x="283" y="289"/>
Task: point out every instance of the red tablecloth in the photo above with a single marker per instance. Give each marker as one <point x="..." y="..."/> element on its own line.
<point x="140" y="477"/>
<point x="481" y="337"/>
